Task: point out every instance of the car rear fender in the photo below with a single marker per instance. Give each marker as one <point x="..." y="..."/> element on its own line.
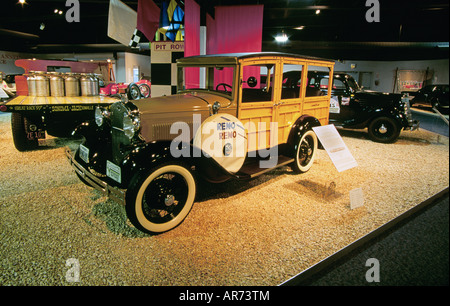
<point x="301" y="125"/>
<point x="399" y="117"/>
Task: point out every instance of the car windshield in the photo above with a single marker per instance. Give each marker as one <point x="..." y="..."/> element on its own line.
<point x="352" y="84"/>
<point x="218" y="79"/>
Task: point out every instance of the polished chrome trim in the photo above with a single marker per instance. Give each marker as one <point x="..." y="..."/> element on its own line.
<point x="112" y="192"/>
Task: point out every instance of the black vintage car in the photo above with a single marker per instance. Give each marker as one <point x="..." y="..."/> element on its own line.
<point x="434" y="95"/>
<point x="385" y="115"/>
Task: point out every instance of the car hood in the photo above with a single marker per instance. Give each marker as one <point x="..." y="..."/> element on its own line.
<point x="159" y="114"/>
<point x="175" y="103"/>
<point x="376" y="97"/>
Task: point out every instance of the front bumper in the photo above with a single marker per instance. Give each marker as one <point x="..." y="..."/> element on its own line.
<point x="412" y="124"/>
<point x="111" y="192"/>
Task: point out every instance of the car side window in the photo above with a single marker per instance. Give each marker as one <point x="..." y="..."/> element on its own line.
<point x="315" y="86"/>
<point x="257" y="83"/>
<point x="291" y="84"/>
<point x="338" y="84"/>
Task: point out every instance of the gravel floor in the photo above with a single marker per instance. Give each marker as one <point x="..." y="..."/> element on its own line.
<point x="258" y="233"/>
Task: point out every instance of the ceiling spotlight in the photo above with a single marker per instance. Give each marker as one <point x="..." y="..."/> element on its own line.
<point x="60" y="12"/>
<point x="22" y="2"/>
<point x="317" y="12"/>
<point x="299" y="28"/>
<point x="55" y="11"/>
<point x="281" y="37"/>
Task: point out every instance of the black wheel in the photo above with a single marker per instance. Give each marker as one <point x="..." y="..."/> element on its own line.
<point x="144" y="90"/>
<point x="161" y="199"/>
<point x="384" y="130"/>
<point x="305" y="152"/>
<point x="19" y="132"/>
<point x="133" y="92"/>
<point x="436" y="103"/>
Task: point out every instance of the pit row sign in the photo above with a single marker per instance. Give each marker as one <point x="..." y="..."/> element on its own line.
<point x="168" y="46"/>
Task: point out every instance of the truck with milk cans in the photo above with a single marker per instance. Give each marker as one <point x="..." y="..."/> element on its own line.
<point x="52" y="97"/>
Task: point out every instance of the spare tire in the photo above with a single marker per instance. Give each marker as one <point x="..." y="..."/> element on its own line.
<point x="133" y="92"/>
<point x="145" y="90"/>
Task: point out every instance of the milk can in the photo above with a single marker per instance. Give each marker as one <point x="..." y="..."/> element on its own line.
<point x="72" y="84"/>
<point x="31" y="81"/>
<point x="56" y="84"/>
<point x="87" y="85"/>
<point x="96" y="86"/>
<point x="42" y="84"/>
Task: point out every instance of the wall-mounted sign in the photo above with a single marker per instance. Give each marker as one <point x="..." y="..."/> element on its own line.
<point x="168" y="46"/>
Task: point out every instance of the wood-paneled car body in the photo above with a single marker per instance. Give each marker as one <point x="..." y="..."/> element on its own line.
<point x="384" y="115"/>
<point x="149" y="154"/>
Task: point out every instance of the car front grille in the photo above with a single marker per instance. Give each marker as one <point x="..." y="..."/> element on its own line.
<point x="407" y="108"/>
<point x="119" y="141"/>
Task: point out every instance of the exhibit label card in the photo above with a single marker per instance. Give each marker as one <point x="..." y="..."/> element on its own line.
<point x="335" y="147"/>
<point x="356" y="198"/>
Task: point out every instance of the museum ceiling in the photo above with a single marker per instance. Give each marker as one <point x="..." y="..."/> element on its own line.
<point x="408" y="29"/>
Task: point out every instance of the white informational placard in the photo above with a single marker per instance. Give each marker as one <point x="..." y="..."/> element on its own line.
<point x="335" y="147"/>
<point x="334" y="105"/>
<point x="356" y="198"/>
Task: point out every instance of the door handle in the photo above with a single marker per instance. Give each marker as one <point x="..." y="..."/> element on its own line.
<point x="276" y="104"/>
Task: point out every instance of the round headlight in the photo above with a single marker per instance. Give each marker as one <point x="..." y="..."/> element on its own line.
<point x="131" y="125"/>
<point x="98" y="114"/>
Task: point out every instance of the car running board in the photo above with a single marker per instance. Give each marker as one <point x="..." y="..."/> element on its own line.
<point x="253" y="169"/>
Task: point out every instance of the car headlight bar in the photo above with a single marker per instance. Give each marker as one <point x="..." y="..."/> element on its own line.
<point x="131" y="124"/>
<point x="100" y="114"/>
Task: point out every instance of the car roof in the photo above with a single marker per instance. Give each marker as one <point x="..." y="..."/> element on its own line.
<point x="233" y="58"/>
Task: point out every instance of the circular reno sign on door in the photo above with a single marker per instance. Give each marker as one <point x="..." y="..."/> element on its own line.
<point x="223" y="138"/>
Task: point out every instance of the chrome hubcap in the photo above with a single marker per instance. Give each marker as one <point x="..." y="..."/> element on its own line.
<point x="383" y="129"/>
<point x="169" y="200"/>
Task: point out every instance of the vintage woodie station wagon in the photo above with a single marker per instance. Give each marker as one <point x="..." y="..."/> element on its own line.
<point x="234" y="117"/>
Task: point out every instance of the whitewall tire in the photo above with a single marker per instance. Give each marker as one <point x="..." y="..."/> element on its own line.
<point x="305" y="152"/>
<point x="161" y="200"/>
